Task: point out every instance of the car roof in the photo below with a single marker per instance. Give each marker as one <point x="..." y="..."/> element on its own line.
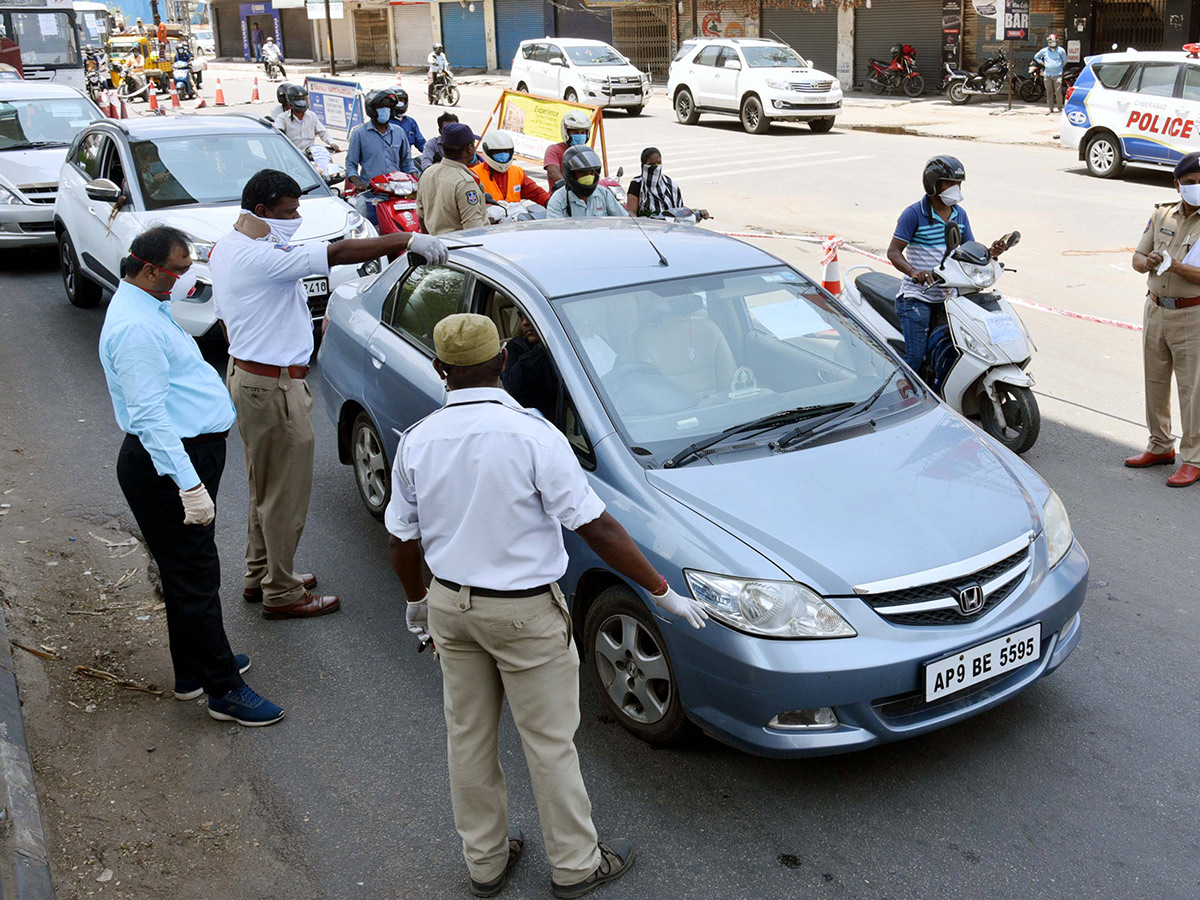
<point x="743" y="42"/>
<point x="151" y="127"/>
<point x="1175" y="56"/>
<point x="33" y="90"/>
<point x="565" y="257"/>
<point x="568" y="42"/>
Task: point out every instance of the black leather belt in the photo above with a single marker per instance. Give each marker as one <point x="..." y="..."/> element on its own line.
<point x="205" y="438"/>
<point x="487" y="592"/>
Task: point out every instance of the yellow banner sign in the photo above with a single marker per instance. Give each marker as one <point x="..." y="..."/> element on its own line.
<point x="536" y="122"/>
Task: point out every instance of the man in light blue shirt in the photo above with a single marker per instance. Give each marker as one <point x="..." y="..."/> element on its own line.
<point x="582" y="196"/>
<point x="378" y="147"/>
<point x="176" y="413"/>
<point x="1054" y="59"/>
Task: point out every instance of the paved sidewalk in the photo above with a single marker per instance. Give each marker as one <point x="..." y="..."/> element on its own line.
<point x="935" y="116"/>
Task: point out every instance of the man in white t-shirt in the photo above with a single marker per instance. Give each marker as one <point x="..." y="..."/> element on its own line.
<point x="259" y="295"/>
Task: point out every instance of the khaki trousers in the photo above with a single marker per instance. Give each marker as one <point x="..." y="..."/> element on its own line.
<point x="1171" y="344"/>
<point x="274" y="416"/>
<point x="490" y="648"/>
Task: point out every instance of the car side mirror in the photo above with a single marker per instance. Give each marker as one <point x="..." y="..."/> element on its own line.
<point x="103" y="190"/>
<point x="953" y="235"/>
<point x="733" y="63"/>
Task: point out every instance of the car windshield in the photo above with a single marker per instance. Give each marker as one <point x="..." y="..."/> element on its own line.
<point x="773" y="58"/>
<point x="680" y="361"/>
<point x="45" y="38"/>
<point x="208" y="168"/>
<point x="43" y="123"/>
<point x="123" y="48"/>
<point x="595" y="56"/>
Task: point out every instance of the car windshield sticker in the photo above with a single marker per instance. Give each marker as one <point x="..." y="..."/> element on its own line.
<point x="744" y="383"/>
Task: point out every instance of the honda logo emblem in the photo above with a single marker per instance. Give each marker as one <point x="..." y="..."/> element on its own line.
<point x="970" y="599"/>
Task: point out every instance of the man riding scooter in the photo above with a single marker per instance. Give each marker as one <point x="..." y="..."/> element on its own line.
<point x="582" y="195"/>
<point x="272" y="54"/>
<point x="377" y="147"/>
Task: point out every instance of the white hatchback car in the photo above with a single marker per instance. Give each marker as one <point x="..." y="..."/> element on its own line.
<point x="121" y="177"/>
<point x="759" y="81"/>
<point x="38" y="121"/>
<point x="580" y="71"/>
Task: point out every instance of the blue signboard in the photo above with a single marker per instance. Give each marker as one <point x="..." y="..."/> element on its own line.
<point x="337" y="103"/>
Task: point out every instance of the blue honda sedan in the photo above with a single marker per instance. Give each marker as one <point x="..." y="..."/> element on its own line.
<point x="874" y="565"/>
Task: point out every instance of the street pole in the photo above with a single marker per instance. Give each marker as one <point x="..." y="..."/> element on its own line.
<point x="1012" y="67"/>
<point x="329" y="38"/>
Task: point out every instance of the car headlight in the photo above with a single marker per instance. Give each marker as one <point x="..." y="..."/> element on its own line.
<point x="595" y="79"/>
<point x="1057" y="524"/>
<point x="357" y="227"/>
<point x="199" y="250"/>
<point x="981" y="276"/>
<point x="771" y="608"/>
<point x="776" y="84"/>
<point x="8" y="198"/>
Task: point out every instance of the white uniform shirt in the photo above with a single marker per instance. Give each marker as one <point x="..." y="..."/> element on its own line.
<point x="487" y="487"/>
<point x="302" y="132"/>
<point x="438" y="63"/>
<point x="258" y="293"/>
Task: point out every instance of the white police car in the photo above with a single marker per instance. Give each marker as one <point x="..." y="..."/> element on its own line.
<point x="1140" y="108"/>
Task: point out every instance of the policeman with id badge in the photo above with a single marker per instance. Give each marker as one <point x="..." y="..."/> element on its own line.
<point x="449" y="197"/>
<point x="1169" y="255"/>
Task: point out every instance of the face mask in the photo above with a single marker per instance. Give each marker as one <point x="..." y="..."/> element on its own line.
<point x="586" y="180"/>
<point x="384" y="114"/>
<point x="502" y="157"/>
<point x="649" y="172"/>
<point x="183" y="284"/>
<point x="952" y="196"/>
<point x="1190" y="194"/>
<point x="577" y="139"/>
<point x="284" y="229"/>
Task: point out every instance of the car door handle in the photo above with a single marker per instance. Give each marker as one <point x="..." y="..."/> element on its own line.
<point x="378" y="357"/>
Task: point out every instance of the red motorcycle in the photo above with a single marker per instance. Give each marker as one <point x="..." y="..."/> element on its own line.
<point x="898" y="75"/>
<point x="394" y="197"/>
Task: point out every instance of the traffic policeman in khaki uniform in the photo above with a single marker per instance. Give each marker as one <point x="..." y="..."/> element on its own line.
<point x="482" y="489"/>
<point x="449" y="197"/>
<point x="1171" y="332"/>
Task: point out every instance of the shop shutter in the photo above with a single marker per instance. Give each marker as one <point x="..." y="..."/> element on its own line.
<point x="463" y="35"/>
<point x="889" y="22"/>
<point x="810" y="32"/>
<point x="343" y="40"/>
<point x="228" y="31"/>
<point x="297" y="33"/>
<point x="574" y="18"/>
<point x="643" y="34"/>
<point x="371" y="37"/>
<point x="516" y="21"/>
<point x="414" y="35"/>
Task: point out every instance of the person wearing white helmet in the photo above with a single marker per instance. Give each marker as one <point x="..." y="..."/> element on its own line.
<point x="500" y="177"/>
<point x="575" y="128"/>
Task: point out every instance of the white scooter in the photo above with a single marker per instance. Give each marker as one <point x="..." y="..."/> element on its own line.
<point x="502" y="211"/>
<point x="978" y="356"/>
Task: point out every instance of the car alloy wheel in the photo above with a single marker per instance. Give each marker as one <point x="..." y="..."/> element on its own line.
<point x="82" y="292"/>
<point x="1104" y="156"/>
<point x="754" y="120"/>
<point x="685" y="107"/>
<point x="370" y="465"/>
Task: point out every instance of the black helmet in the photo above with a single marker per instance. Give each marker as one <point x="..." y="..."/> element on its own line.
<point x="297" y="97"/>
<point x="377" y="100"/>
<point x="281" y="93"/>
<point x="401" y="106"/>
<point x="897" y="49"/>
<point x="941" y="168"/>
<point x="581" y="170"/>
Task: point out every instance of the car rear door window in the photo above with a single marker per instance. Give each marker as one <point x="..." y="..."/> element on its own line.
<point x="1156" y="79"/>
<point x="708" y="56"/>
<point x="1191" y="83"/>
<point x="1112" y="74"/>
<point x="426" y="296"/>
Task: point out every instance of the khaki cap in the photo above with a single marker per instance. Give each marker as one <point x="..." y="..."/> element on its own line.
<point x="466" y="339"/>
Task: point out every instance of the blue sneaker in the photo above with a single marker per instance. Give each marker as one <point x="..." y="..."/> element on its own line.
<point x="244" y="707"/>
<point x="191" y="688"/>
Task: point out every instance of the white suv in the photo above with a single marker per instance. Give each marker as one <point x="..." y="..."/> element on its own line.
<point x="580" y="71"/>
<point x="756" y="80"/>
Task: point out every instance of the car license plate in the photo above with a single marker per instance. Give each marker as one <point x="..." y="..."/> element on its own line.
<point x="982" y="662"/>
<point x="316" y="287"/>
<point x="814" y="99"/>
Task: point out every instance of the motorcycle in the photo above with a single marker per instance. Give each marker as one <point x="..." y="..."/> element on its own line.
<point x="899" y="75"/>
<point x="181" y="76"/>
<point x="1033" y="89"/>
<point x="990" y="80"/>
<point x="322" y="161"/>
<point x="131" y="86"/>
<point x="394" y="196"/>
<point x="274" y="69"/>
<point x="979" y="351"/>
<point x="93" y="65"/>
<point x="445" y="91"/>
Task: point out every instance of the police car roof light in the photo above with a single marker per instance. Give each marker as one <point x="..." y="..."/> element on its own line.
<point x="1192" y="50"/>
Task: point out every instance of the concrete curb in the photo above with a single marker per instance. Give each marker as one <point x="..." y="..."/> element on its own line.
<point x="27" y="877"/>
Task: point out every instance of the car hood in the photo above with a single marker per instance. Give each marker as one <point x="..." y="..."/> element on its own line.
<point x="811" y="74"/>
<point x="324" y="218"/>
<point x="619" y="71"/>
<point x="39" y="166"/>
<point x="923" y="493"/>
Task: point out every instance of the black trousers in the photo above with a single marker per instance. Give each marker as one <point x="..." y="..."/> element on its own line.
<point x="187" y="562"/>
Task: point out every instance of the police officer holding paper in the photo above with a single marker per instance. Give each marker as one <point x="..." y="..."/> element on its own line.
<point x="481" y="489"/>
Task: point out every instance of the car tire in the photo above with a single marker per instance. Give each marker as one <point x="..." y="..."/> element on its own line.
<point x="371" y="471"/>
<point x="570" y="96"/>
<point x="634" y="110"/>
<point x="630" y="667"/>
<point x="685" y="107"/>
<point x="754" y="118"/>
<point x="523" y="87"/>
<point x="82" y="292"/>
<point x="1022" y="418"/>
<point x="821" y="126"/>
<point x="1103" y="156"/>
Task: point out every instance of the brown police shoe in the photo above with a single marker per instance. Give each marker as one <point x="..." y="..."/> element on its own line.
<point x="1185" y="475"/>
<point x="1142" y="460"/>
<point x="306" y="607"/>
<point x="254" y="595"/>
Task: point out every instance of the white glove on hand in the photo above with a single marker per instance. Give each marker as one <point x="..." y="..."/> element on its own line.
<point x="432" y="249"/>
<point x="684" y="607"/>
<point x="416" y="617"/>
<point x="198" y="507"/>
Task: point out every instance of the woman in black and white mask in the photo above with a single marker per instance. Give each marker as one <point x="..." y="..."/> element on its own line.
<point x="654" y="194"/>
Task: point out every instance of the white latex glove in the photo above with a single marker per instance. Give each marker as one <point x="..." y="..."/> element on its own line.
<point x="684" y="607"/>
<point x="416" y="617"/>
<point x="432" y="249"/>
<point x="198" y="507"/>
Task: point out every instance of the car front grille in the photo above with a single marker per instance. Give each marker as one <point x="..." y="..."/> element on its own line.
<point x="937" y="603"/>
<point x="813" y="87"/>
<point x="39" y="193"/>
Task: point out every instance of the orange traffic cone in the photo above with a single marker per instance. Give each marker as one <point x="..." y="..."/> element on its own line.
<point x="831" y="273"/>
<point x="175" y="104"/>
<point x="254" y="98"/>
<point x="201" y="103"/>
<point x="220" y="101"/>
<point x="152" y="93"/>
<point x="398" y="84"/>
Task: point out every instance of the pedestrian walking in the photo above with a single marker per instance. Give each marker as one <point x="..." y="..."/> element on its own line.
<point x="259" y="294"/>
<point x="449" y="197"/>
<point x="1171" y="325"/>
<point x="176" y="413"/>
<point x="494" y="611"/>
<point x="257" y="39"/>
<point x="1054" y="59"/>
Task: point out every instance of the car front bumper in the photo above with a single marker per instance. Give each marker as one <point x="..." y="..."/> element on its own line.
<point x="27" y="225"/>
<point x="801" y="106"/>
<point x="735" y="684"/>
<point x="602" y="95"/>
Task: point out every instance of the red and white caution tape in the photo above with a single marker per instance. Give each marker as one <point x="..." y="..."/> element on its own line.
<point x="836" y="243"/>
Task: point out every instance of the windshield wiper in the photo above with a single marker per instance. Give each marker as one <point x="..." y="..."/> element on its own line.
<point x="35" y="145"/>
<point x="795" y="437"/>
<point x="774" y="420"/>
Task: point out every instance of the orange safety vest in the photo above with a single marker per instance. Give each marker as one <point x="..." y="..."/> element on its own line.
<point x="487" y="180"/>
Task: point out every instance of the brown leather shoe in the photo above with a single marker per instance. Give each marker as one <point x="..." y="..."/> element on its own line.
<point x="306" y="607"/>
<point x="1185" y="475"/>
<point x="1142" y="460"/>
<point x="254" y="595"/>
